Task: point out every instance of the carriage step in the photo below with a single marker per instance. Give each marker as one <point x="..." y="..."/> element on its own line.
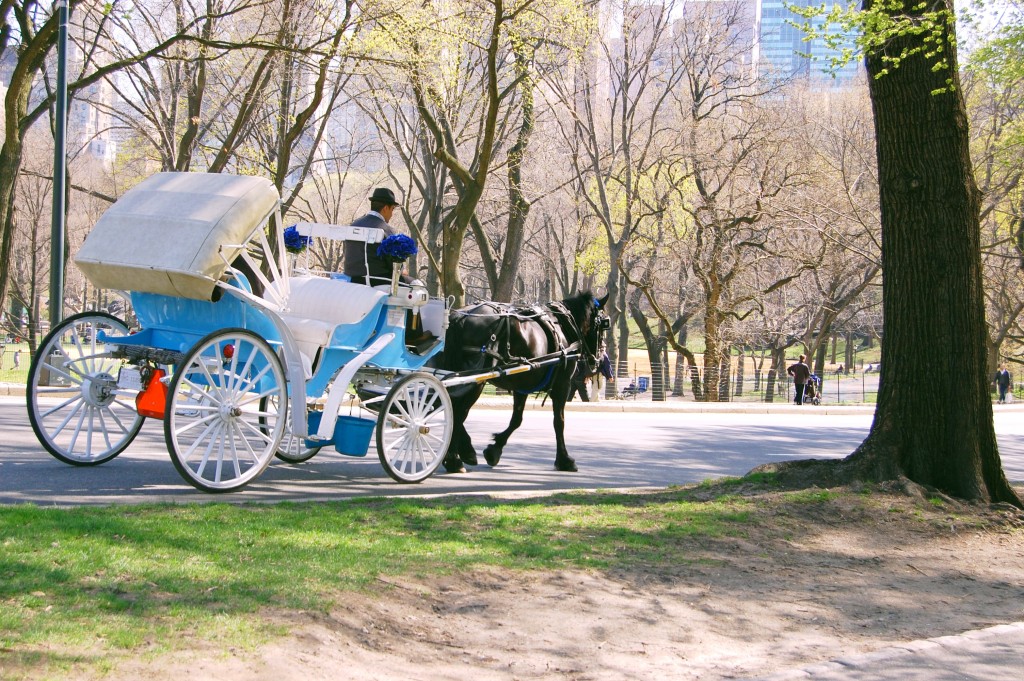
<point x="423" y="344"/>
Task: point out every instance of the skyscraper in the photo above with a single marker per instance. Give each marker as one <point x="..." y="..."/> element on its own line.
<point x="784" y="52"/>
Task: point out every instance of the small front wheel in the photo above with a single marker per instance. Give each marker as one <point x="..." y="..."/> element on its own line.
<point x="414" y="427"/>
<point x="219" y="431"/>
<point x="74" y="405"/>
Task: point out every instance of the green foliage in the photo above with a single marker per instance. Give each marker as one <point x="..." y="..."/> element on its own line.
<point x="881" y="29"/>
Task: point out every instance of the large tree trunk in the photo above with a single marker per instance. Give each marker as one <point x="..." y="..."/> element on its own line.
<point x="933" y="423"/>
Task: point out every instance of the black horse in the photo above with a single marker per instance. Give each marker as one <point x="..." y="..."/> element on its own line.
<point x="496" y="336"/>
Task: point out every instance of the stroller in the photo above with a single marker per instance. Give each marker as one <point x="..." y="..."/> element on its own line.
<point x="812" y="392"/>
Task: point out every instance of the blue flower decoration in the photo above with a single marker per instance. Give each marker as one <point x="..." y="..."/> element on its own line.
<point x="295" y="242"/>
<point x="396" y="248"/>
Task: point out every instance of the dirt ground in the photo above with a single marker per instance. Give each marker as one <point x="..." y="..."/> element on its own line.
<point x="811" y="583"/>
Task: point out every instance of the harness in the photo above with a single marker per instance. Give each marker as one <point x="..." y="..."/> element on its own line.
<point x="554" y="318"/>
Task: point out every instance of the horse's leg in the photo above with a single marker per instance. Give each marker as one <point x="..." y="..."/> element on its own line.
<point x="452" y="461"/>
<point x="461" y="450"/>
<point x="563" y="462"/>
<point x="492" y="453"/>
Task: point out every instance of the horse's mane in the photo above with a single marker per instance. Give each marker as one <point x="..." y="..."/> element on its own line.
<point x="579" y="304"/>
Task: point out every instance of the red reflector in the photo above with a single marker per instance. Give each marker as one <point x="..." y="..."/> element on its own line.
<point x="152" y="401"/>
<point x="229" y="351"/>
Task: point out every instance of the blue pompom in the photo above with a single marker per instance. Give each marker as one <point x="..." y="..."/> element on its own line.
<point x="396" y="248"/>
<point x="295" y="242"/>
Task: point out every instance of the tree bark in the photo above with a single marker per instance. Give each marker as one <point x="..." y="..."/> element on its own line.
<point x="933" y="423"/>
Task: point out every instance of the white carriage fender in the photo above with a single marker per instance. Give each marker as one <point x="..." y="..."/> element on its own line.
<point x="339" y="387"/>
<point x="292" y="357"/>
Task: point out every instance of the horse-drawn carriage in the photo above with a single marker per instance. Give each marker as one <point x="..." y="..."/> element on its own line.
<point x="240" y="357"/>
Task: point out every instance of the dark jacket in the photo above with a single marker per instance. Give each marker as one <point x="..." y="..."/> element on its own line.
<point x="1003" y="379"/>
<point x="799" y="372"/>
<point x="359" y="254"/>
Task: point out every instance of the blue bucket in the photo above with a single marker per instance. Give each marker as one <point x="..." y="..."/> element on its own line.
<point x="313" y="419"/>
<point x="352" y="435"/>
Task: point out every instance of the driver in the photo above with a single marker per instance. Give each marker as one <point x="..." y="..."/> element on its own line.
<point x="362" y="264"/>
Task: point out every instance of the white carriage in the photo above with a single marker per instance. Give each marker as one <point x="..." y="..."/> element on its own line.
<point x="240" y="357"/>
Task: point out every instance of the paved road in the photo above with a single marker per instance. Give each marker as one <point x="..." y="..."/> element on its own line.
<point x="992" y="654"/>
<point x="615" y="449"/>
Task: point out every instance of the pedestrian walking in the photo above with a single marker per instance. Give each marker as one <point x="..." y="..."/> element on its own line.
<point x="578" y="383"/>
<point x="801" y="375"/>
<point x="1002" y="383"/>
<point x="17" y="358"/>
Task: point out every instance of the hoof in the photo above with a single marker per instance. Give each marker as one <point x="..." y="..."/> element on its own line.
<point x="567" y="466"/>
<point x="468" y="458"/>
<point x="492" y="455"/>
<point x="453" y="464"/>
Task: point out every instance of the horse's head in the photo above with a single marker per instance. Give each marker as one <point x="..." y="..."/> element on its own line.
<point x="591" y="321"/>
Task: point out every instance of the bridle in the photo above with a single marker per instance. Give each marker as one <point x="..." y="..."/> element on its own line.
<point x="595" y="323"/>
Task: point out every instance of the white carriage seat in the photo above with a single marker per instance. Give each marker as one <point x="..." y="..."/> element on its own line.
<point x="317" y="306"/>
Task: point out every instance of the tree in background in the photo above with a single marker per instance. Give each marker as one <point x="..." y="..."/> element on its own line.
<point x="933" y="423"/>
<point x="994" y="89"/>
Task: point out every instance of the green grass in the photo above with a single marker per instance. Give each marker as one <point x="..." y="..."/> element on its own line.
<point x="137" y="578"/>
<point x="8" y="374"/>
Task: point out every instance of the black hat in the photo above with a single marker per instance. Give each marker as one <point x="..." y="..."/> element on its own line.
<point x="383" y="195"/>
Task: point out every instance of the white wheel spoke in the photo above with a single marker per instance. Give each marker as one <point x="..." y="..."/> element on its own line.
<point x="255" y="430"/>
<point x="240" y="432"/>
<point x="248" y="447"/>
<point x="209" y="418"/>
<point x="218" y="469"/>
<point x="61" y="372"/>
<point x="198" y="441"/>
<point x="414" y="427"/>
<point x="78" y="427"/>
<point x="53" y="410"/>
<point x="201" y="390"/>
<point x="114" y="418"/>
<point x="394" y="421"/>
<point x="89" y="424"/>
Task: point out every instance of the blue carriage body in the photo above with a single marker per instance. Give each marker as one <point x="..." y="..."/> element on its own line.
<point x="188" y="231"/>
<point x="238" y="351"/>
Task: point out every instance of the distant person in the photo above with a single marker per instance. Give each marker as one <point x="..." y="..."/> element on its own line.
<point x="1002" y="383"/>
<point x="801" y="374"/>
<point x="17" y="358"/>
<point x="604" y="366"/>
<point x="578" y="384"/>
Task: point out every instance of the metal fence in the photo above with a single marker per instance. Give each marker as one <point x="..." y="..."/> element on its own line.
<point x="694" y="385"/>
<point x="691" y="384"/>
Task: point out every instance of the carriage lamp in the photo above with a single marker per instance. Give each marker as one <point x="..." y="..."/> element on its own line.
<point x="228" y="350"/>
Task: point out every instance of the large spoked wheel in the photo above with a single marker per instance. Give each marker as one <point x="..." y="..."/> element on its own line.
<point x="292" y="449"/>
<point x="74" y="406"/>
<point x="218" y="434"/>
<point x="414" y="427"/>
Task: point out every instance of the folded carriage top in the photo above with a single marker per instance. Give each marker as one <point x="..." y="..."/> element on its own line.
<point x="173" y="233"/>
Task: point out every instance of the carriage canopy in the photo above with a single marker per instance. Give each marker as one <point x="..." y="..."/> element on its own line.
<point x="174" y="233"/>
